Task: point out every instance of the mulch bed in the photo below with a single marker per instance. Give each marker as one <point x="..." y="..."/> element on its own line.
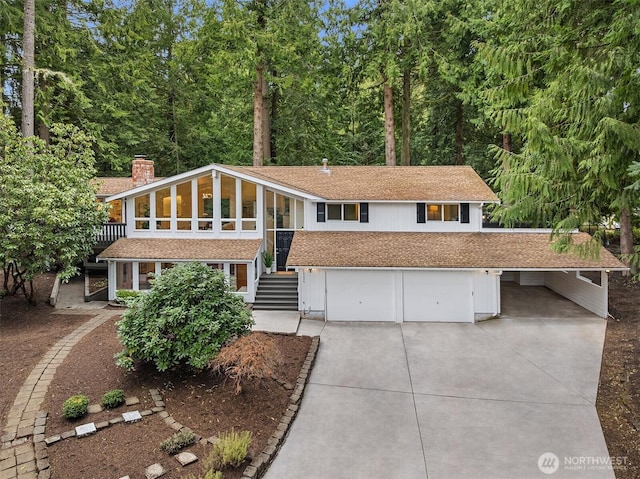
<point x="618" y="401"/>
<point x="204" y="404"/>
<point x="198" y="400"/>
<point x="26" y="333"/>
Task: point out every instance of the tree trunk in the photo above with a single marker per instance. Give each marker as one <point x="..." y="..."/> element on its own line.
<point x="626" y="240"/>
<point x="266" y="118"/>
<point x="506" y="142"/>
<point x="389" y="126"/>
<point x="258" y="121"/>
<point x="459" y="133"/>
<point x="406" y="118"/>
<point x="28" y="67"/>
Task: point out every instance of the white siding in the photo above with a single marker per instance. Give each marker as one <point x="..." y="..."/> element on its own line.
<point x="393" y="217"/>
<point x="486" y="294"/>
<point x="530" y="278"/>
<point x="311" y="292"/>
<point x="583" y="292"/>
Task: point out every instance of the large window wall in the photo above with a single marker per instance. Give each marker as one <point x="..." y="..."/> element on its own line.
<point x="135" y="275"/>
<point x="219" y="203"/>
<point x="282" y="213"/>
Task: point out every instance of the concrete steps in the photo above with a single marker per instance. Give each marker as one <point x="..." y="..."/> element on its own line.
<point x="277" y="292"/>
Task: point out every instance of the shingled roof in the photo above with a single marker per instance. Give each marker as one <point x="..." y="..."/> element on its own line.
<point x="517" y="251"/>
<point x="378" y="183"/>
<point x="168" y="249"/>
<point x="111" y="185"/>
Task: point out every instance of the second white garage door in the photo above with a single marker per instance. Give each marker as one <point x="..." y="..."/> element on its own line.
<point x="438" y="296"/>
<point x="399" y="296"/>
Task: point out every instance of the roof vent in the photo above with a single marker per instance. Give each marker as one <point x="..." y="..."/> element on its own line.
<point x="325" y="169"/>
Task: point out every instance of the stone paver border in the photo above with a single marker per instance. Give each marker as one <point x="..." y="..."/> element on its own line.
<point x="23" y="446"/>
<point x="260" y="464"/>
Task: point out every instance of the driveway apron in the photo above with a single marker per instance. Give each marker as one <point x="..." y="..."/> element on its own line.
<point x="506" y="398"/>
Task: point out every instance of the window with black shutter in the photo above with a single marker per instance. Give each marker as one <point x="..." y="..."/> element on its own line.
<point x="464" y="212"/>
<point x="421" y="211"/>
<point x="364" y="212"/>
<point x="321" y="210"/>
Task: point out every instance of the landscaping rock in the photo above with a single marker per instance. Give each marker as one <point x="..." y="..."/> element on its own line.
<point x="185" y="458"/>
<point x="94" y="408"/>
<point x="86" y="429"/>
<point x="154" y="471"/>
<point x="132" y="401"/>
<point x="132" y="416"/>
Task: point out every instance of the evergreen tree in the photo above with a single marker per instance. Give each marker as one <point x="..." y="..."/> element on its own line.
<point x="565" y="83"/>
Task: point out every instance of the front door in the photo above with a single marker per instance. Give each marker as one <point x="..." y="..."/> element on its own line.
<point x="283" y="245"/>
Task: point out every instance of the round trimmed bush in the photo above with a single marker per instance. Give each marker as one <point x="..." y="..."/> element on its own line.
<point x="184" y="319"/>
<point x="113" y="398"/>
<point x="75" y="407"/>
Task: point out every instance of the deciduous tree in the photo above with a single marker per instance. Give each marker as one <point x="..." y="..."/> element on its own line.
<point x="48" y="215"/>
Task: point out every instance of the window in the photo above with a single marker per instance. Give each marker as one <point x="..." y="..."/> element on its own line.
<point x="249" y="205"/>
<point x="146" y="272"/>
<point x="184" y="205"/>
<point x="123" y="276"/>
<point x="334" y="212"/>
<point x="350" y="211"/>
<point x="438" y="212"/>
<point x="205" y="203"/>
<point x="434" y="212"/>
<point x="343" y="211"/>
<point x="141" y="211"/>
<point x="115" y="211"/>
<point x="451" y="212"/>
<point x="163" y="209"/>
<point x="228" y="202"/>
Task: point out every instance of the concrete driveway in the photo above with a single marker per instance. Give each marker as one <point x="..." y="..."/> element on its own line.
<point x="449" y="401"/>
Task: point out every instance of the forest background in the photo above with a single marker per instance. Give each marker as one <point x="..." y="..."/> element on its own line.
<point x="542" y="99"/>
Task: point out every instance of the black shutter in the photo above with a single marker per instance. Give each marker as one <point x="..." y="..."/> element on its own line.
<point x="321" y="213"/>
<point x="464" y="212"/>
<point x="421" y="210"/>
<point x="364" y="212"/>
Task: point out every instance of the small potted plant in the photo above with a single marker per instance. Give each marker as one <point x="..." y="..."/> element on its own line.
<point x="267" y="257"/>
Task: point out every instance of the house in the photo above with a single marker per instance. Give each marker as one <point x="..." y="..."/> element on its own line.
<point x="371" y="243"/>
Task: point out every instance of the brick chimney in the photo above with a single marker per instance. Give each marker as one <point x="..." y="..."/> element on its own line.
<point x="142" y="171"/>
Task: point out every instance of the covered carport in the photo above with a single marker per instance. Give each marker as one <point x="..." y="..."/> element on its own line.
<point x="527" y="302"/>
<point x="437" y="277"/>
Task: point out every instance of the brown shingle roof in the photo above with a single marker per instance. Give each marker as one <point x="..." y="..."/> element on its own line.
<point x="437" y="250"/>
<point x="110" y="185"/>
<point x="381" y="183"/>
<point x="182" y="249"/>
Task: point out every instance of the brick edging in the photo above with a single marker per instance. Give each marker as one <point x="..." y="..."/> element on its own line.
<point x="261" y="463"/>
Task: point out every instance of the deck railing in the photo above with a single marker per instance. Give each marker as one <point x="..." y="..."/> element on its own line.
<point x="110" y="233"/>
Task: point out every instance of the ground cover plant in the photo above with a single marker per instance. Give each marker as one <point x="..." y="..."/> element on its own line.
<point x="113" y="398"/>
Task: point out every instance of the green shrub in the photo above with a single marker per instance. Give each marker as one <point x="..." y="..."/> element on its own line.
<point x="178" y="441"/>
<point x="230" y="450"/>
<point x="113" y="398"/>
<point x="184" y="319"/>
<point x="127" y="296"/>
<point x="75" y="406"/>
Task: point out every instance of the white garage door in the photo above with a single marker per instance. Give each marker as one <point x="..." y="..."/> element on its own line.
<point x="438" y="296"/>
<point x="360" y="295"/>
